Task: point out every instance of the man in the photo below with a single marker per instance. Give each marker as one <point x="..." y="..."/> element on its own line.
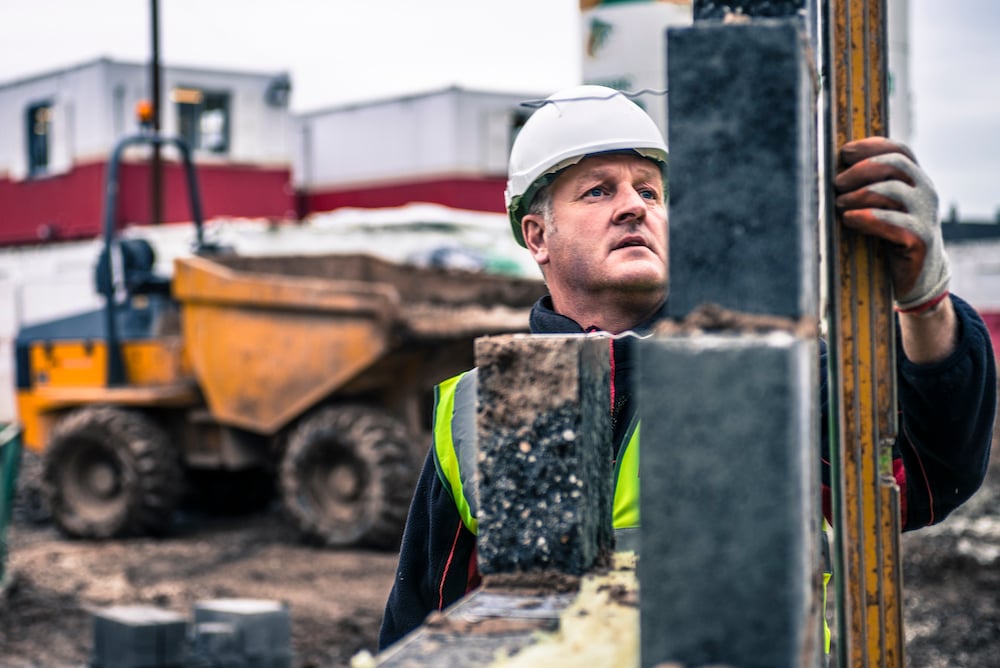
<point x="586" y="196"/>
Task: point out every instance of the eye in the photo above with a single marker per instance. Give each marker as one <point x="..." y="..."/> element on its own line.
<point x="649" y="193"/>
<point x="596" y="191"/>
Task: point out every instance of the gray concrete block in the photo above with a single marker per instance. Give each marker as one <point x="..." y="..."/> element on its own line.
<point x="215" y="645"/>
<point x="743" y="212"/>
<point x="138" y="637"/>
<point x="263" y="628"/>
<point x="729" y="500"/>
<point x="544" y="461"/>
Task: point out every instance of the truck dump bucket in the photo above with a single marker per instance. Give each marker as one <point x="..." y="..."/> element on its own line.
<point x="270" y="337"/>
<point x="264" y="346"/>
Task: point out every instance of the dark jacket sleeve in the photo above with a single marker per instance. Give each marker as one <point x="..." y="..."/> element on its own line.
<point x="946" y="424"/>
<point x="436" y="559"/>
<point x="945" y="429"/>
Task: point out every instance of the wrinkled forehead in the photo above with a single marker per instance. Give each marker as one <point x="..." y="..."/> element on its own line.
<point x="606" y="165"/>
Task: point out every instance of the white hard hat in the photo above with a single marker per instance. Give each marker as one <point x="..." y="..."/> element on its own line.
<point x="569" y="126"/>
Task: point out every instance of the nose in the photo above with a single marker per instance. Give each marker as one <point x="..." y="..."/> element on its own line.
<point x="630" y="205"/>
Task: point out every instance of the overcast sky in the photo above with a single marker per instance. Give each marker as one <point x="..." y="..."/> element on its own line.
<point x="340" y="51"/>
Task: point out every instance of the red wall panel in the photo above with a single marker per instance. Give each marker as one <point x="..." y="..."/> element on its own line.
<point x="71" y="205"/>
<point x="68" y="206"/>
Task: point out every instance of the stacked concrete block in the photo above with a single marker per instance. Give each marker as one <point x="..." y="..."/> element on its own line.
<point x="729" y="518"/>
<point x="743" y="225"/>
<point x="544" y="460"/>
<point x="729" y="495"/>
<point x="138" y="637"/>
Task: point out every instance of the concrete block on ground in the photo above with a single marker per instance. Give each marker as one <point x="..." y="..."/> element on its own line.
<point x="263" y="628"/>
<point x="215" y="645"/>
<point x="743" y="202"/>
<point x="544" y="460"/>
<point x="729" y="500"/>
<point x="138" y="637"/>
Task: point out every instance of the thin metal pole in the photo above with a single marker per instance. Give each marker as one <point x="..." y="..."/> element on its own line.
<point x="156" y="164"/>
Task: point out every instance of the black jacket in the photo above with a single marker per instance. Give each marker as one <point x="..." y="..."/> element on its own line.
<point x="946" y="418"/>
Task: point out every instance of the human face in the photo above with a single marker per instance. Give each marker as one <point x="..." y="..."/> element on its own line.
<point x="608" y="230"/>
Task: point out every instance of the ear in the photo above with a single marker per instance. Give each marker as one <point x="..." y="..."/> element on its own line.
<point x="533" y="229"/>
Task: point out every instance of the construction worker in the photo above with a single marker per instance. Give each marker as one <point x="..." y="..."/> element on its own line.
<point x="586" y="195"/>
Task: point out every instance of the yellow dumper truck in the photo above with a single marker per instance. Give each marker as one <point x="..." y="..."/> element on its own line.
<point x="317" y="370"/>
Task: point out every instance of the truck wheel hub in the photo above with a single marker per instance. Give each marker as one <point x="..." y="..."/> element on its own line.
<point x="101" y="480"/>
<point x="345" y="483"/>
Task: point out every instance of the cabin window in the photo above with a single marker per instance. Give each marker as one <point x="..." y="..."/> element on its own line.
<point x="119" y="114"/>
<point x="203" y="118"/>
<point x="39" y="127"/>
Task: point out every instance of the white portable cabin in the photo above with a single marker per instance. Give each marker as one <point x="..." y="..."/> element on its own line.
<point x="448" y="146"/>
<point x="243" y="116"/>
<point x="58" y="129"/>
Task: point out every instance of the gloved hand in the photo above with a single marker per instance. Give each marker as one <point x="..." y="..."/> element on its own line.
<point x="882" y="192"/>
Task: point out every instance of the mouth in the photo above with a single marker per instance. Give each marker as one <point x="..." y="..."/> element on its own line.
<point x="632" y="241"/>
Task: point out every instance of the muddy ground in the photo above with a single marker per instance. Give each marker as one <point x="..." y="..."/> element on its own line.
<point x="951" y="590"/>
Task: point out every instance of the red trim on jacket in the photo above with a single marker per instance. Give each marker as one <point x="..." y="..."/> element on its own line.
<point x="923" y="473"/>
<point x="611" y="360"/>
<point x="447" y="567"/>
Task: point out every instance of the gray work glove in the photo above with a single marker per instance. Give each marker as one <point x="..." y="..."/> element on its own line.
<point x="882" y="192"/>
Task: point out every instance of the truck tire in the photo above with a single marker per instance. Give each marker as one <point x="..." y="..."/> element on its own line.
<point x="347" y="477"/>
<point x="110" y="473"/>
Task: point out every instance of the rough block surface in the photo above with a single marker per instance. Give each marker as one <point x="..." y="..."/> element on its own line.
<point x="717" y="9"/>
<point x="742" y="169"/>
<point x="543" y="465"/>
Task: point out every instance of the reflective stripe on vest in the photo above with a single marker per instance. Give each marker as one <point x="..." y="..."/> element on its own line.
<point x="626" y="504"/>
<point x="455" y="443"/>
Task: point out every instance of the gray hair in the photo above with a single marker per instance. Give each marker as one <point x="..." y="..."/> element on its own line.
<point x="541" y="204"/>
